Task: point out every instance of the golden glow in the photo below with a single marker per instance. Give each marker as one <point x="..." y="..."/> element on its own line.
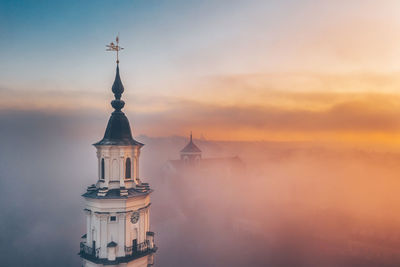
<point x="275" y="115"/>
<point x="327" y="76"/>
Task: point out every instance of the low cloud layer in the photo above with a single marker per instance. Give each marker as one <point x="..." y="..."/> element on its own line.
<point x="263" y="214"/>
<point x="247" y="107"/>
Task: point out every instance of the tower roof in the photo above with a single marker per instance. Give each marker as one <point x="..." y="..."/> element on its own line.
<point x="118" y="131"/>
<point x="191" y="147"/>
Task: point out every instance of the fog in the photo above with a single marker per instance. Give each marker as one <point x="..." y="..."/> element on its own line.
<point x="286" y="204"/>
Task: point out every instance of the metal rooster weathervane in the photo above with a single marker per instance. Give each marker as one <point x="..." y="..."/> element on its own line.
<point x="115" y="47"/>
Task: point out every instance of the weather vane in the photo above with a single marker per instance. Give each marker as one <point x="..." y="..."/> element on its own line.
<point x="115" y="47"/>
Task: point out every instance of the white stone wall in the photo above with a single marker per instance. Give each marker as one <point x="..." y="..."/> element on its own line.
<point x="114" y="166"/>
<point x="191" y="156"/>
<point x="99" y="226"/>
<point x="139" y="229"/>
<point x="101" y="229"/>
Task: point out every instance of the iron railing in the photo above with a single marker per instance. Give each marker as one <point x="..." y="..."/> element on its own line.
<point x="131" y="253"/>
<point x="138" y="249"/>
<point x="86" y="250"/>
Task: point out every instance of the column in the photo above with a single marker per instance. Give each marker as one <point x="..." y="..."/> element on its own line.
<point x="107" y="169"/>
<point x="122" y="169"/>
<point x="89" y="237"/>
<point x="121" y="234"/>
<point x="102" y="241"/>
<point x="98" y="164"/>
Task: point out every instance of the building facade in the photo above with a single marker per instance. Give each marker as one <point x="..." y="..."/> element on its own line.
<point x="118" y="206"/>
<point x="191" y="161"/>
<point x="191" y="153"/>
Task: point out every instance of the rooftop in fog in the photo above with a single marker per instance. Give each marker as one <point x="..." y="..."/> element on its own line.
<point x="191" y="147"/>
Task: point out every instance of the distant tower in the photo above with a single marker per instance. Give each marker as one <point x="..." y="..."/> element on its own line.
<point x="118" y="205"/>
<point x="191" y="153"/>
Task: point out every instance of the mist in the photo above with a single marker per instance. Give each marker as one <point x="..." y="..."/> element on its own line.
<point x="285" y="204"/>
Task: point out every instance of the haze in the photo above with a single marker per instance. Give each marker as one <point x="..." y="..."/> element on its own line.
<point x="302" y="203"/>
<point x="304" y="92"/>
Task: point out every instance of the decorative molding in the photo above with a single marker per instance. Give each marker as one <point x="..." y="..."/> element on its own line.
<point x="128" y="212"/>
<point x="87" y="211"/>
<point x="102" y="215"/>
<point x="146" y="207"/>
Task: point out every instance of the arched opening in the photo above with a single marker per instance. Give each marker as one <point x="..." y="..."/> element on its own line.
<point x="128" y="168"/>
<point x="102" y="169"/>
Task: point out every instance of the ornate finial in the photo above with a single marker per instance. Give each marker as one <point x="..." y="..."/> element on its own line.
<point x="190" y="136"/>
<point x="117" y="87"/>
<point x="115" y="47"/>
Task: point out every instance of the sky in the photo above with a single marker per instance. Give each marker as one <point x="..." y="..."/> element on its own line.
<point x="228" y="70"/>
<point x="311" y="85"/>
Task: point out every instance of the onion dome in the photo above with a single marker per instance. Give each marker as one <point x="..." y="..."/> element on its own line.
<point x="118" y="131"/>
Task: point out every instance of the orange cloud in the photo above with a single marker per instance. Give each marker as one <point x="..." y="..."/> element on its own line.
<point x="250" y="107"/>
<point x="371" y="117"/>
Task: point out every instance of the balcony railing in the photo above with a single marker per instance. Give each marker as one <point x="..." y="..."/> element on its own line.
<point x="88" y="251"/>
<point x="138" y="249"/>
<point x="131" y="253"/>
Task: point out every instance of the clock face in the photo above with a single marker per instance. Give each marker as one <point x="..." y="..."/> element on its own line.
<point x="135" y="217"/>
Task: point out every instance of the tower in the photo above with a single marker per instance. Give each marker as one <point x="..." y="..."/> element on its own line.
<point x="118" y="205"/>
<point x="191" y="153"/>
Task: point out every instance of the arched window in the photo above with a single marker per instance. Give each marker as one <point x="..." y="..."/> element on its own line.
<point x="102" y="169"/>
<point x="128" y="168"/>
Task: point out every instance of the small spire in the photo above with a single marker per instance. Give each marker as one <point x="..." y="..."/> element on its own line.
<point x="118" y="131"/>
<point x="117" y="89"/>
<point x="191" y="147"/>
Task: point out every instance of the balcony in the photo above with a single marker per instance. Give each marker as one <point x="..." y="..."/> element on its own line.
<point x="131" y="253"/>
<point x="88" y="252"/>
<point x="141" y="248"/>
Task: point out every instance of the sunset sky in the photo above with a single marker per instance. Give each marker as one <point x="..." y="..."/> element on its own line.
<point x="228" y="70"/>
<point x="295" y="105"/>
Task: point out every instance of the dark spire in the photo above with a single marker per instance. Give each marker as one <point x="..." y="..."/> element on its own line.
<point x="117" y="89"/>
<point x="118" y="131"/>
<point x="191" y="147"/>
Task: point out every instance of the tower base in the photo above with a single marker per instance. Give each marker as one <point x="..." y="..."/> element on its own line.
<point x="145" y="261"/>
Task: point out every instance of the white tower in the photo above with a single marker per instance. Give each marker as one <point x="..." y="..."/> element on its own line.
<point x="118" y="205"/>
